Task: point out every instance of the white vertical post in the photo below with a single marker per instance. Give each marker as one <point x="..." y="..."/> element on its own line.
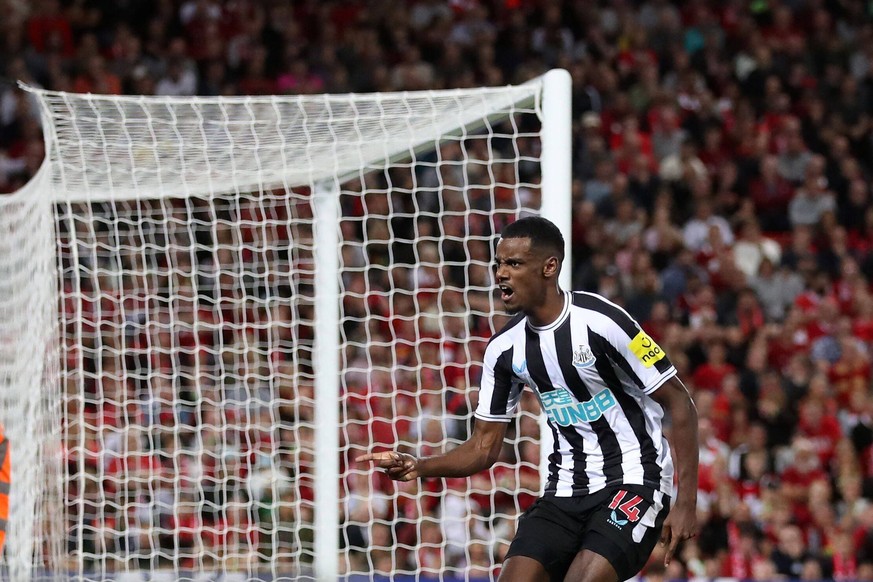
<point x="557" y="189"/>
<point x="325" y="361"/>
<point x="29" y="383"/>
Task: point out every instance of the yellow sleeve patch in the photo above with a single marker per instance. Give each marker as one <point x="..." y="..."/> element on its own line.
<point x="646" y="349"/>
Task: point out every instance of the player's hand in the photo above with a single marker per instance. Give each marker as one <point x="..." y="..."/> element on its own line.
<point x="398" y="466"/>
<point x="679" y="526"/>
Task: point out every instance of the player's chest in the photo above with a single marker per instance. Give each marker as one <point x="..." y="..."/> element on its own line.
<point x="549" y="364"/>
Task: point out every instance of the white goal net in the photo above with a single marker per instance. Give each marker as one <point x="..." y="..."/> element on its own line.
<point x="209" y="307"/>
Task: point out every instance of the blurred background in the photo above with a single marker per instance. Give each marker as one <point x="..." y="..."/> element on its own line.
<point x="722" y="155"/>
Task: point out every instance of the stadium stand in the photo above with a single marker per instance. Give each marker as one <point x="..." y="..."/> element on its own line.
<point x="722" y="158"/>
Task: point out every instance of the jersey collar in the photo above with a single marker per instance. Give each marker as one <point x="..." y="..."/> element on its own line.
<point x="564" y="313"/>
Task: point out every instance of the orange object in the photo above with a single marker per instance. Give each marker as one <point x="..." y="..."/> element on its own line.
<point x="5" y="476"/>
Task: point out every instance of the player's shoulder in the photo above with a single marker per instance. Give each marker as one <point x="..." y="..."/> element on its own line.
<point x="611" y="314"/>
<point x="505" y="337"/>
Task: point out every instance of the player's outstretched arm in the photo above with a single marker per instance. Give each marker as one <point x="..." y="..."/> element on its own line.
<point x="681" y="524"/>
<point x="478" y="453"/>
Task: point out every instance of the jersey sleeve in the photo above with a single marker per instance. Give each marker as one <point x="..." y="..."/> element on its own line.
<point x="637" y="353"/>
<point x="499" y="390"/>
<point x="649" y="361"/>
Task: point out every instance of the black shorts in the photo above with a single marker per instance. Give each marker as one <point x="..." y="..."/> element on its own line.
<point x="622" y="524"/>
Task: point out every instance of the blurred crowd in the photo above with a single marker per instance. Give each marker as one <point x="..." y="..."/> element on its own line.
<point x="722" y="161"/>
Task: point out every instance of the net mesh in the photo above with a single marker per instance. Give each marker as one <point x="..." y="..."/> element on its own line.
<point x="187" y="320"/>
<point x="185" y="326"/>
<point x="417" y="313"/>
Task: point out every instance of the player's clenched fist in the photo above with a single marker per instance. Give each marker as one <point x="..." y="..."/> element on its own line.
<point x="398" y="466"/>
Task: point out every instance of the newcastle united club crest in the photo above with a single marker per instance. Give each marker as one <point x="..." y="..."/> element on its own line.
<point x="583" y="357"/>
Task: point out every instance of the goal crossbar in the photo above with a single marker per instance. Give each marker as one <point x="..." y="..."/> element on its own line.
<point x="146" y="147"/>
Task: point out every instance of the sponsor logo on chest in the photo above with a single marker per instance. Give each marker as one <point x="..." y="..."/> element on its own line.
<point x="564" y="410"/>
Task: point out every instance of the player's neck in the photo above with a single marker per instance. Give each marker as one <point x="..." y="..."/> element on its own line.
<point x="550" y="309"/>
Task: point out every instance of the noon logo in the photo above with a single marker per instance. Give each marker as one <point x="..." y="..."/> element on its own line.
<point x="583" y="357"/>
<point x="646" y="349"/>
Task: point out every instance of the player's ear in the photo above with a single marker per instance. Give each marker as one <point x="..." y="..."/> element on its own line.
<point x="551" y="267"/>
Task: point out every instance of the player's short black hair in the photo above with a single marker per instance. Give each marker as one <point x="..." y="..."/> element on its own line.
<point x="544" y="236"/>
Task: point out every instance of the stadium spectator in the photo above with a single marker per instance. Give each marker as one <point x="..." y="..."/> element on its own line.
<point x="695" y="115"/>
<point x="790" y="556"/>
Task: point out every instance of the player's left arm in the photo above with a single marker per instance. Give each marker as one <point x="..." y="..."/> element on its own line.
<point x="681" y="524"/>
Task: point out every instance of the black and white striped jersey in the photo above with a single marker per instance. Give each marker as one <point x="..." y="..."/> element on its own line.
<point x="593" y="371"/>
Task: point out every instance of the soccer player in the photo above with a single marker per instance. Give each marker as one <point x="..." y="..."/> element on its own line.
<point x="604" y="385"/>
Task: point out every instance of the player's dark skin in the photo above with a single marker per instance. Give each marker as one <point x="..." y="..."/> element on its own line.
<point x="528" y="280"/>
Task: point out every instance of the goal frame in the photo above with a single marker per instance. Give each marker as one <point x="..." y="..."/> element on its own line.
<point x="556" y="167"/>
<point x="556" y="170"/>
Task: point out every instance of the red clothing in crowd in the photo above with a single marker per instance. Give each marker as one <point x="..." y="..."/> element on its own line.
<point x="795" y="476"/>
<point x="845" y="566"/>
<point x="772" y="196"/>
<point x="847" y="377"/>
<point x="51" y="32"/>
<point x="824" y="436"/>
<point x="710" y="376"/>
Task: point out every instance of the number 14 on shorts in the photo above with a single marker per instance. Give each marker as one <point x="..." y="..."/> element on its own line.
<point x="628" y="508"/>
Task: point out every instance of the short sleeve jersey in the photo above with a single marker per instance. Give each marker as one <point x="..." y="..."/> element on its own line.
<point x="593" y="371"/>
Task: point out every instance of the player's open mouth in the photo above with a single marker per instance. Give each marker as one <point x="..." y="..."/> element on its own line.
<point x="506" y="292"/>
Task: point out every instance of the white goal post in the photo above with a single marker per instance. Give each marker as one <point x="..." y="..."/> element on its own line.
<point x="209" y="306"/>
